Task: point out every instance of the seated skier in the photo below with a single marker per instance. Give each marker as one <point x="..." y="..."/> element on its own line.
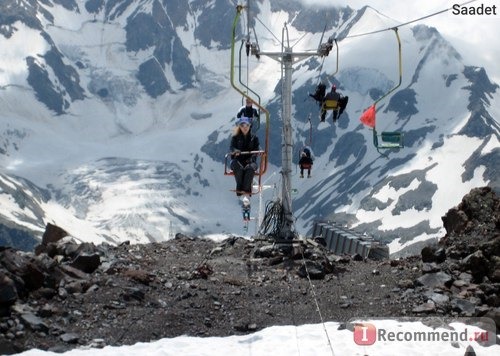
<point x="305" y="162"/>
<point x="333" y="95"/>
<point x="243" y="165"/>
<point x="248" y="111"/>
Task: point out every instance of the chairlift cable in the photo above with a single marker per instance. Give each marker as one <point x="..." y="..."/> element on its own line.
<point x="310" y="130"/>
<point x="320" y="70"/>
<point x="271" y="32"/>
<point x="323" y="57"/>
<point x="315" y="299"/>
<point x="292" y="310"/>
<point x="245" y="85"/>
<point x="300" y="39"/>
<point x="409" y="22"/>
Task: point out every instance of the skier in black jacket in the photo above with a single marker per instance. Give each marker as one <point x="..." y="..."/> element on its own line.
<point x="244" y="165"/>
<point x="248" y="111"/>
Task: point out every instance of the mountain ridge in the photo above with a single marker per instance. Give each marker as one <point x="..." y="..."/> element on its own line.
<point x="116" y="92"/>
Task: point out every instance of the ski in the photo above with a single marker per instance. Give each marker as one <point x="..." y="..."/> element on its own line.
<point x="245" y="207"/>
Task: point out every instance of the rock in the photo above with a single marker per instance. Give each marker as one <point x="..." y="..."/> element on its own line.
<point x="24" y="267"/>
<point x="460" y="283"/>
<point x="73" y="272"/>
<point x="13" y="262"/>
<point x="455" y="221"/>
<point x="297" y="251"/>
<point x="430" y="268"/>
<point x="273" y="261"/>
<point x="494" y="275"/>
<point x="432" y="280"/>
<point x="47" y="311"/>
<point x="428" y="307"/>
<point x="44" y="292"/>
<point x="8" y="291"/>
<point x="492" y="246"/>
<point x="265" y="251"/>
<point x="440" y="255"/>
<point x="87" y="263"/>
<point x="479" y="203"/>
<point x="494" y="314"/>
<point x="493" y="300"/>
<point x="470" y="351"/>
<point x="133" y="294"/>
<point x="34" y="322"/>
<point x="20" y="308"/>
<point x="438" y="298"/>
<point x="9" y="348"/>
<point x="405" y="283"/>
<point x="357" y="257"/>
<point x="98" y="343"/>
<point x="433" y="254"/>
<point x="466" y="277"/>
<point x="68" y="248"/>
<point x="70" y="338"/>
<point x="139" y="276"/>
<point x="52" y="234"/>
<point x="203" y="271"/>
<point x="33" y="276"/>
<point x="463" y="306"/>
<point x="477" y="264"/>
<point x="62" y="293"/>
<point x="312" y="269"/>
<point x="77" y="286"/>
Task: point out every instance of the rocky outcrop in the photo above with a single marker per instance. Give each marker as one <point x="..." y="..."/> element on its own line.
<point x="460" y="275"/>
<point x="60" y="266"/>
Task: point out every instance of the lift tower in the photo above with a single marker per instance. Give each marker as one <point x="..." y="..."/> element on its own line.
<point x="287" y="57"/>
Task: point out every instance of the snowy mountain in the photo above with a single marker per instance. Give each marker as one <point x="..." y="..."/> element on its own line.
<point x="116" y="116"/>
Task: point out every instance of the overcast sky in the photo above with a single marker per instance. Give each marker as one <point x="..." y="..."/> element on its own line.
<point x="475" y="37"/>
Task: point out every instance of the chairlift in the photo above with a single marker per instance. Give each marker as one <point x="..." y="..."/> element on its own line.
<point x="386" y="139"/>
<point x="329" y="104"/>
<point x="246" y="91"/>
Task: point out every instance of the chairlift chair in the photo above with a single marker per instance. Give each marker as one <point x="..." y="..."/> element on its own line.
<point x="262" y="166"/>
<point x="388" y="139"/>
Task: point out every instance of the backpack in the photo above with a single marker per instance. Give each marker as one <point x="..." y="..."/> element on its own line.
<point x="319" y="94"/>
<point x="321" y="90"/>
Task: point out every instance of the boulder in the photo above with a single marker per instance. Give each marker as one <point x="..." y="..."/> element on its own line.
<point x="433" y="254"/>
<point x="87" y="263"/>
<point x="8" y="292"/>
<point x="477" y="264"/>
<point x="455" y="221"/>
<point x="433" y="280"/>
<point x="53" y="233"/>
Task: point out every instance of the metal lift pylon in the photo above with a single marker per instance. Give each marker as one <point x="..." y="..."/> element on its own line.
<point x="287" y="57"/>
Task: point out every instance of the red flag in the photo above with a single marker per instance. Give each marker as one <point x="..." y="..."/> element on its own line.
<point x="368" y="117"/>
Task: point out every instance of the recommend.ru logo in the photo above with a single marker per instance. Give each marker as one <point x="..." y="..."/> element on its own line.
<point x="425" y="330"/>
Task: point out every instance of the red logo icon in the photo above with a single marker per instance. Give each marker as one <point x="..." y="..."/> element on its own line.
<point x="365" y="334"/>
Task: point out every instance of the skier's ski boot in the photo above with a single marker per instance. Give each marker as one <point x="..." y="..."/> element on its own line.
<point x="245" y="202"/>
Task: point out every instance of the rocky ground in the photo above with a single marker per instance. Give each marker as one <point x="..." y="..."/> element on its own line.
<point x="67" y="295"/>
